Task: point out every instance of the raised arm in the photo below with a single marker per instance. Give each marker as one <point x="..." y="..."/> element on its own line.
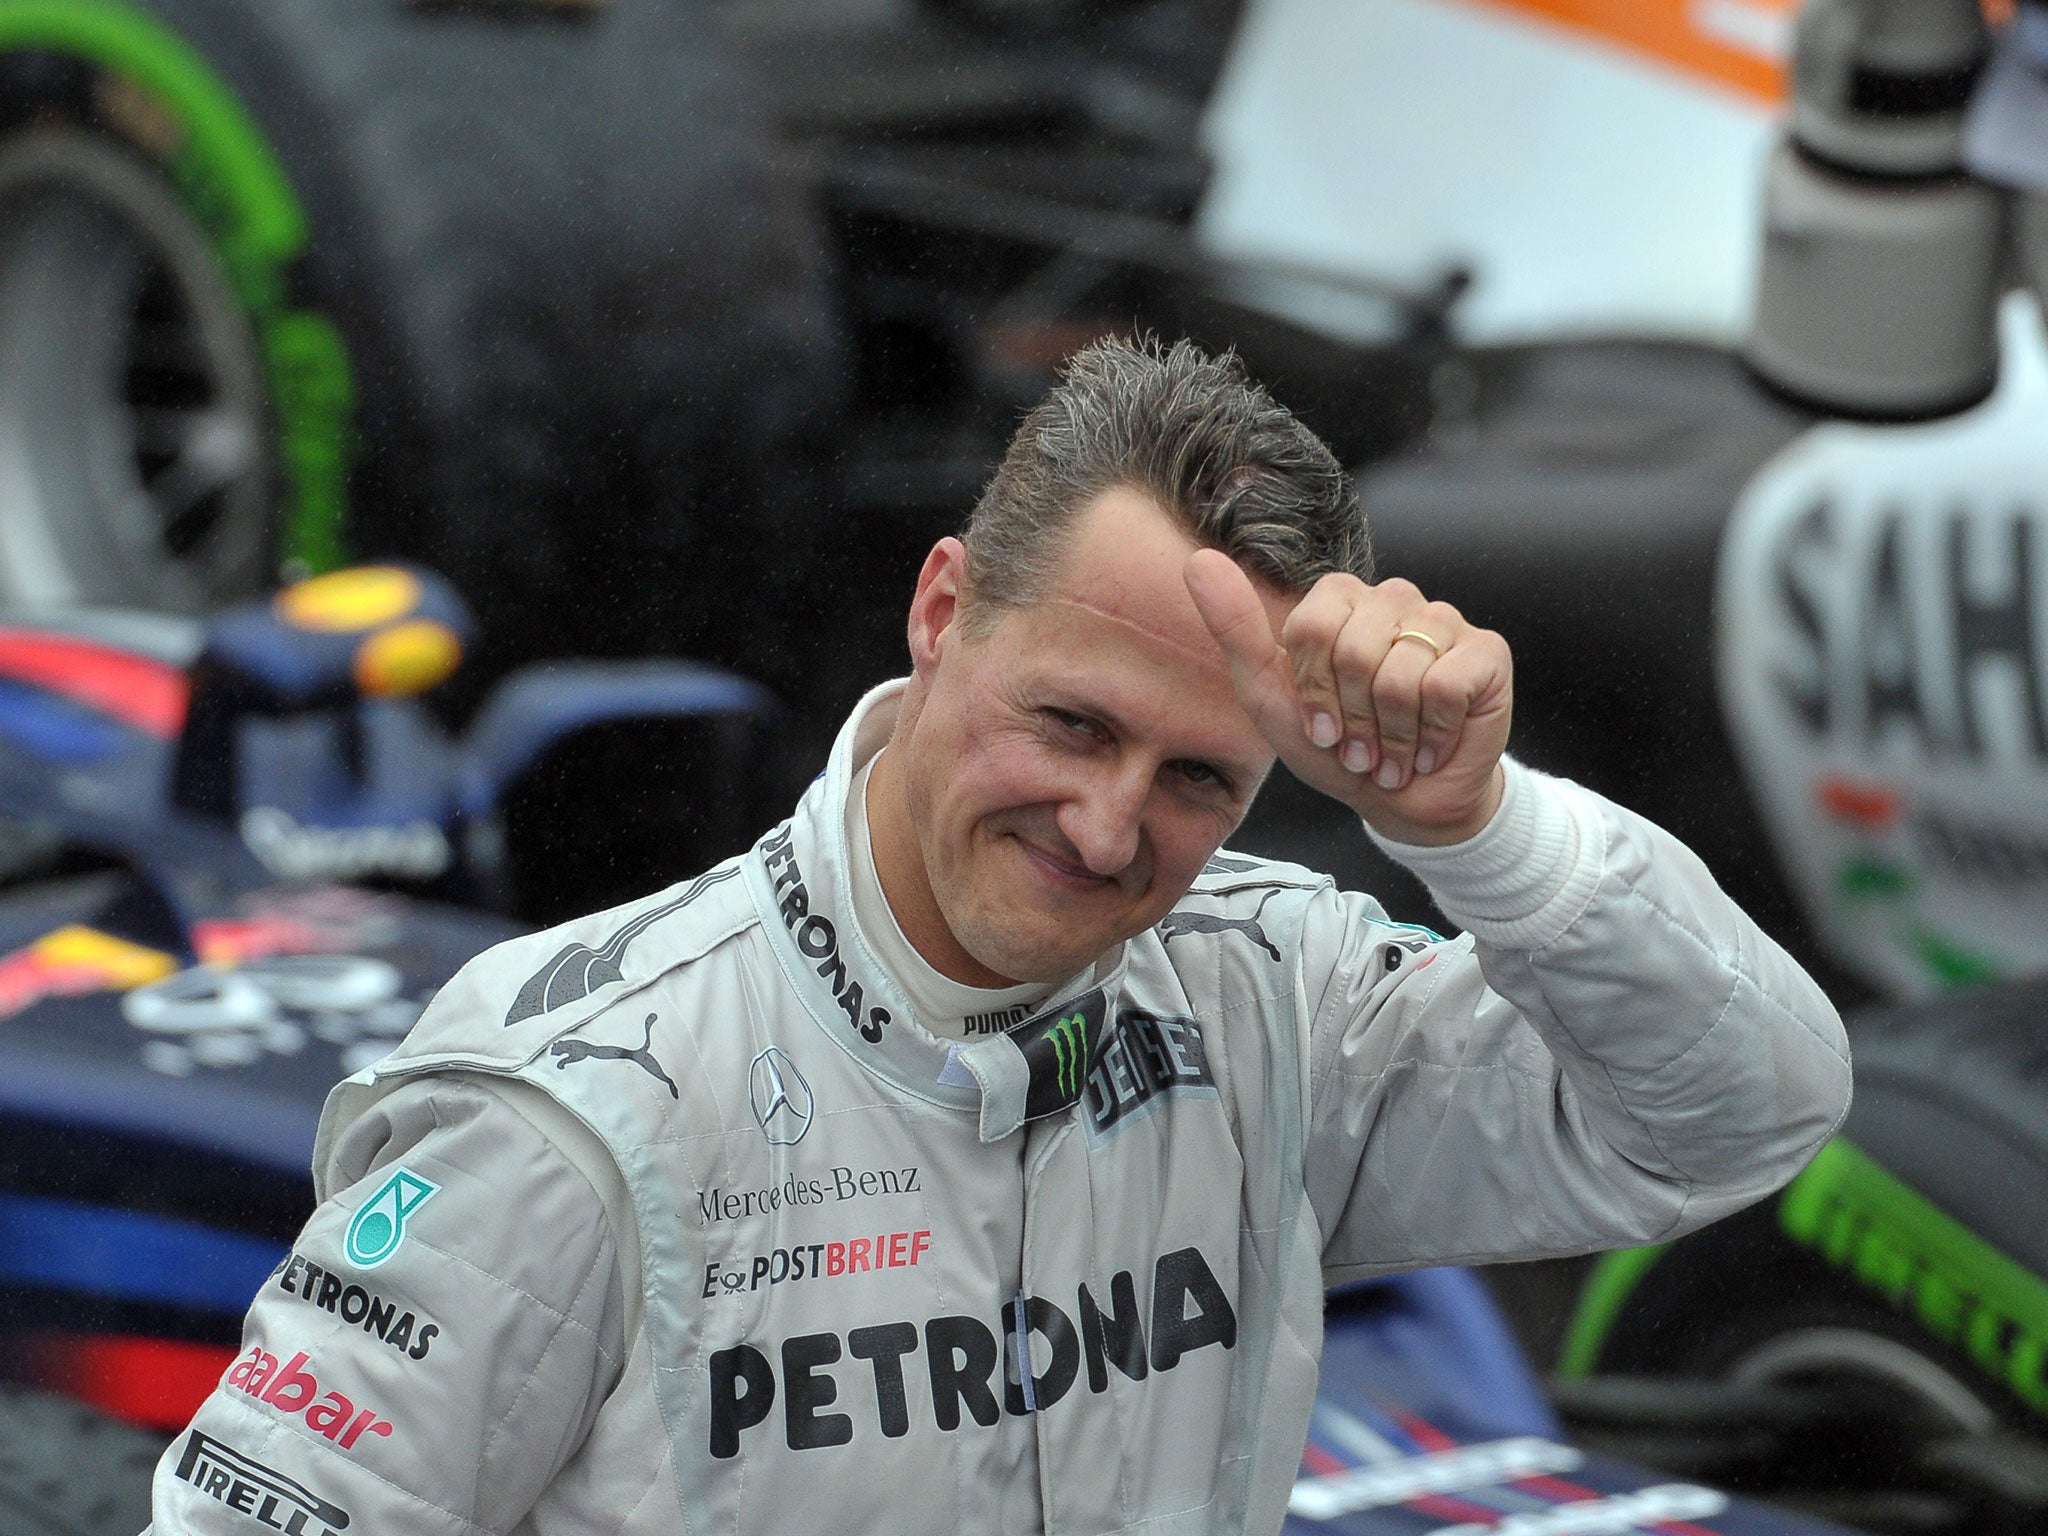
<point x="1614" y="1053"/>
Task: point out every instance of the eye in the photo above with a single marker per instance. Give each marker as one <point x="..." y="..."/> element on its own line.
<point x="1203" y="774"/>
<point x="1067" y="720"/>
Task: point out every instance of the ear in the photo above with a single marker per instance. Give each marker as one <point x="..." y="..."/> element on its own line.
<point x="935" y="610"/>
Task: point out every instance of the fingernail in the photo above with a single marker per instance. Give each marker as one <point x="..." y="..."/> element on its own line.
<point x="1322" y="730"/>
<point x="1356" y="758"/>
<point x="1425" y="760"/>
<point x="1390" y="774"/>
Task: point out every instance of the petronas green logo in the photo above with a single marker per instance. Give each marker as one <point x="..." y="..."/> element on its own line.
<point x="379" y="1226"/>
<point x="1070" y="1050"/>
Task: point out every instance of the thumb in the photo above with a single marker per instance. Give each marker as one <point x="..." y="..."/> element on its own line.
<point x="1259" y="671"/>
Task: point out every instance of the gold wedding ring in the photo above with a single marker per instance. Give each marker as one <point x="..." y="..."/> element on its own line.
<point x="1416" y="634"/>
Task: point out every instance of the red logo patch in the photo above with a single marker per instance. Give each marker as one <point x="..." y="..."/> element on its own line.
<point x="293" y="1390"/>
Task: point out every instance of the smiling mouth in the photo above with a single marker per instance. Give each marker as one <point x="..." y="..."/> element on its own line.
<point x="1064" y="872"/>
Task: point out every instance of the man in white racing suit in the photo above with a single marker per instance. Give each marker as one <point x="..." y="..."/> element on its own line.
<point x="971" y="1155"/>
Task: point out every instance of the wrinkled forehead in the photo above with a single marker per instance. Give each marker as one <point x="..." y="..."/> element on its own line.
<point x="1122" y="558"/>
<point x="1118" y="631"/>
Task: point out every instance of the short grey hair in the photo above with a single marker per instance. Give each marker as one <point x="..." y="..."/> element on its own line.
<point x="1219" y="454"/>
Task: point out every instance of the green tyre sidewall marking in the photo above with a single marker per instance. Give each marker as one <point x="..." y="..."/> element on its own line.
<point x="1607" y="1290"/>
<point x="1931" y="1269"/>
<point x="1890" y="1240"/>
<point x="234" y="186"/>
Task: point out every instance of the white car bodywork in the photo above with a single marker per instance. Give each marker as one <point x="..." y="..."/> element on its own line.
<point x="1592" y="187"/>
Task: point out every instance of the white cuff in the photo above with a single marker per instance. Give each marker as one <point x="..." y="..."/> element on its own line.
<point x="1521" y="879"/>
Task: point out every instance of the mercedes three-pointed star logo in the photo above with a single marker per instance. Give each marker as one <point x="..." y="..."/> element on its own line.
<point x="782" y="1099"/>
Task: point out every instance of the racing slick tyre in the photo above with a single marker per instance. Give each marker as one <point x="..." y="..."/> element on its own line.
<point x="522" y="292"/>
<point x="1900" y="1277"/>
<point x="68" y="1470"/>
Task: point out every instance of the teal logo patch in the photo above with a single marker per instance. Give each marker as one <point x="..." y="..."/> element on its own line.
<point x="379" y="1227"/>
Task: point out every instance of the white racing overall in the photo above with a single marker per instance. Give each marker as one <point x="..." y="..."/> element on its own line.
<point x="674" y="1218"/>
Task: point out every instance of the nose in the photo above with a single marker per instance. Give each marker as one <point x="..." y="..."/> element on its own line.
<point x="1104" y="819"/>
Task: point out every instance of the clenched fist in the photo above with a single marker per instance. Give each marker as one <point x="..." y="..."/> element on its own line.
<point x="1373" y="694"/>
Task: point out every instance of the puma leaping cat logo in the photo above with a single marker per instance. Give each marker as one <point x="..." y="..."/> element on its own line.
<point x="567" y="1051"/>
<point x="1179" y="924"/>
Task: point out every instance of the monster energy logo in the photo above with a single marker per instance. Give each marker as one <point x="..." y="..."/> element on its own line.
<point x="377" y="1229"/>
<point x="1070" y="1050"/>
<point x="1057" y="1047"/>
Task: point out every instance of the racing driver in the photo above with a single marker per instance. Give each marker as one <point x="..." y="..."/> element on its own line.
<point x="972" y="1154"/>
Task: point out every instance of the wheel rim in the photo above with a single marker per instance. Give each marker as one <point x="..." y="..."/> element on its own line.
<point x="1837" y="1353"/>
<point x="133" y="461"/>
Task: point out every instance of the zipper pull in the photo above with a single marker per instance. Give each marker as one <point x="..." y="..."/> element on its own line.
<point x="1023" y="1331"/>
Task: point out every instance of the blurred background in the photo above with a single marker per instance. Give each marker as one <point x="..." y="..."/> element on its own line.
<point x="639" y="349"/>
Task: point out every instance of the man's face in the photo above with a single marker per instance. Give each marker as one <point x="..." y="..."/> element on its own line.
<point x="1070" y="770"/>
